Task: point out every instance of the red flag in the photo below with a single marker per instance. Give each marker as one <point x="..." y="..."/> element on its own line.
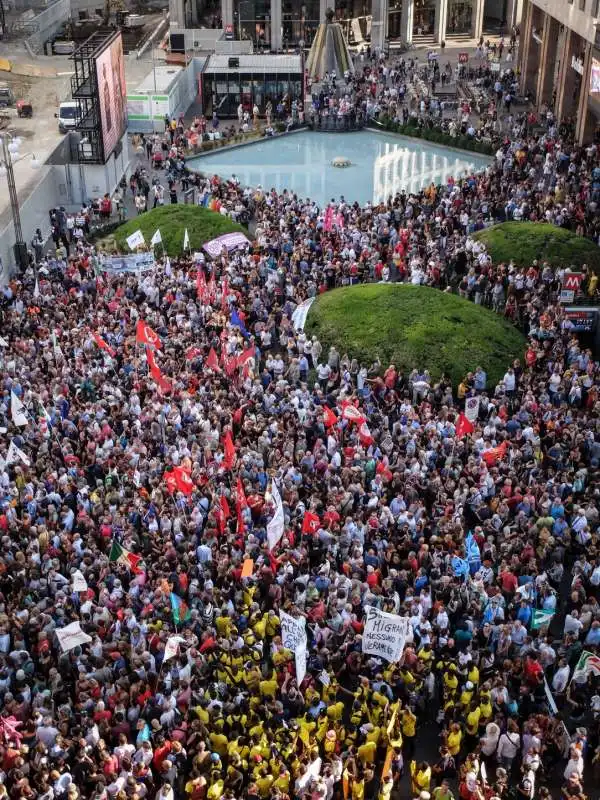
<point x="183" y="480"/>
<point x="495" y="454"/>
<point x="364" y="434"/>
<point x="240" y="504"/>
<point x="145" y="335"/>
<point x="229" y="449"/>
<point x="212" y="362"/>
<point x="193" y="352"/>
<point x="224" y="294"/>
<point x="200" y="284"/>
<point x="225" y="506"/>
<point x="230" y="363"/>
<point x="244" y="357"/>
<point x="238" y="415"/>
<point x="171" y="481"/>
<point x="103" y="345"/>
<point x="310" y="523"/>
<point x="220" y="519"/>
<point x="352" y="414"/>
<point x="329" y="418"/>
<point x="163" y="384"/>
<point x="463" y="426"/>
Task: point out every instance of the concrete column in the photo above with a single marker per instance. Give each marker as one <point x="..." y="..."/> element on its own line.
<point x="561" y="80"/>
<point x="547" y="59"/>
<point x="585" y="122"/>
<point x="525" y="44"/>
<point x="514" y="14"/>
<point x="406" y="21"/>
<point x="477" y="18"/>
<point x="379" y="10"/>
<point x="177" y="13"/>
<point x="323" y="6"/>
<point x="441" y="19"/>
<point x="227" y="14"/>
<point x="276" y="39"/>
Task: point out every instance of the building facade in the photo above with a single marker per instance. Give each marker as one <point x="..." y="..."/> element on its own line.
<point x="560" y="60"/>
<point x="276" y="24"/>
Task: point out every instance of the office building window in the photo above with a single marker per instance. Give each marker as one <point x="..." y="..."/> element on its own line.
<point x="582" y="5"/>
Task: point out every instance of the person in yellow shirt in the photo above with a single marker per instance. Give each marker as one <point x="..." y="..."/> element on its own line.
<point x="268" y="687"/>
<point x="408" y="722"/>
<point x="420" y="777"/>
<point x="366" y="752"/>
<point x="454" y="739"/>
<point x="472" y="722"/>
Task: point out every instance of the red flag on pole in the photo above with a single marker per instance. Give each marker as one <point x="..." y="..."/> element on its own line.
<point x="225" y="506"/>
<point x="240" y="504"/>
<point x="145" y="335"/>
<point x="229" y="449"/>
<point x="103" y="345"/>
<point x="163" y="384"/>
<point x="495" y="454"/>
<point x="244" y="357"/>
<point x="310" y="523"/>
<point x="212" y="362"/>
<point x="364" y="434"/>
<point x="193" y="352"/>
<point x="352" y="414"/>
<point x="463" y="426"/>
<point x="329" y="418"/>
<point x="183" y="480"/>
<point x="170" y="481"/>
<point x="200" y="284"/>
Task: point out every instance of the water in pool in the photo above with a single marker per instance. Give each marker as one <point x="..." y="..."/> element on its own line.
<point x="301" y="162"/>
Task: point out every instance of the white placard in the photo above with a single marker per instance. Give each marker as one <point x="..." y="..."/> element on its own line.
<point x="292" y="630"/>
<point x="276" y="525"/>
<point x="384" y="634"/>
<point x="71" y="636"/>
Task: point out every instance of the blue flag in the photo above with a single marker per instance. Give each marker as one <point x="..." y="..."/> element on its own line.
<point x="473" y="554"/>
<point x="235" y="320"/>
<point x="460" y="567"/>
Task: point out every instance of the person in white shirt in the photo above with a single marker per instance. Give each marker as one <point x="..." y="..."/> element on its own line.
<point x="561" y="677"/>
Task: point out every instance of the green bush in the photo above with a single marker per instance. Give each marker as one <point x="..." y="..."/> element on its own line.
<point x="524" y="242"/>
<point x="202" y="226"/>
<point x="415" y="326"/>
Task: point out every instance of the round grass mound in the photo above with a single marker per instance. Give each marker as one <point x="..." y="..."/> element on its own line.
<point x="202" y="226"/>
<point x="415" y="326"/>
<point x="523" y="242"/>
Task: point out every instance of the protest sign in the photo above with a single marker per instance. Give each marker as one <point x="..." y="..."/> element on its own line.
<point x="136" y="262"/>
<point x="71" y="636"/>
<point x="292" y="630"/>
<point x="229" y="241"/>
<point x="384" y="634"/>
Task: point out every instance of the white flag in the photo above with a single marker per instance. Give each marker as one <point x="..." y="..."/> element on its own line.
<point x="3" y="342"/>
<point x="14" y="454"/>
<point x="472" y="408"/>
<point x="276" y="525"/>
<point x="36" y="290"/>
<point x="186" y="240"/>
<point x="172" y="647"/>
<point x="79" y="582"/>
<point x="168" y="270"/>
<point x="17" y="410"/>
<point x="135" y="240"/>
<point x="156" y="237"/>
<point x="301" y="657"/>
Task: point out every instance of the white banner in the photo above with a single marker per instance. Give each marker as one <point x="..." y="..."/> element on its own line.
<point x="301" y="313"/>
<point x="472" y="408"/>
<point x="156" y="237"/>
<point x="276" y="525"/>
<point x="384" y="634"/>
<point x="301" y="657"/>
<point x="292" y="630"/>
<point x="137" y="262"/>
<point x="72" y="636"/>
<point x="15" y="454"/>
<point x="79" y="582"/>
<point x="135" y="240"/>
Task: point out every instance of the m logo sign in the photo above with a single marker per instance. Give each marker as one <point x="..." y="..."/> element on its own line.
<point x="570" y="286"/>
<point x="572" y="281"/>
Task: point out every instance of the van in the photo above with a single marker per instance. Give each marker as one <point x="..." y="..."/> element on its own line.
<point x="7" y="97"/>
<point x="68" y="116"/>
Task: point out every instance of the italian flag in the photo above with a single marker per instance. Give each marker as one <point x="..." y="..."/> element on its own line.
<point x="122" y="556"/>
<point x="588" y="664"/>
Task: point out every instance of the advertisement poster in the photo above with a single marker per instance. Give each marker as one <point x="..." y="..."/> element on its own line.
<point x="112" y="90"/>
<point x="595" y="79"/>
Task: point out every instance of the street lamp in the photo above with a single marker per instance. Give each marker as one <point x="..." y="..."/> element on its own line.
<point x="10" y="147"/>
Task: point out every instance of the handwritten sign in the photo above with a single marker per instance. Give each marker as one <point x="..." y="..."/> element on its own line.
<point x="384" y="634"/>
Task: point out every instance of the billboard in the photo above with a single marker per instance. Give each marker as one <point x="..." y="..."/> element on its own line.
<point x="595" y="79"/>
<point x="112" y="93"/>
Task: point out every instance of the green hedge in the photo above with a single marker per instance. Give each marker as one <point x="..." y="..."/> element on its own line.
<point x="436" y="136"/>
<point x="524" y="242"/>
<point x="415" y="326"/>
<point x="202" y="225"/>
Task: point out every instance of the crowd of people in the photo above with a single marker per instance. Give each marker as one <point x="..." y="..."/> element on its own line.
<point x="151" y="425"/>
